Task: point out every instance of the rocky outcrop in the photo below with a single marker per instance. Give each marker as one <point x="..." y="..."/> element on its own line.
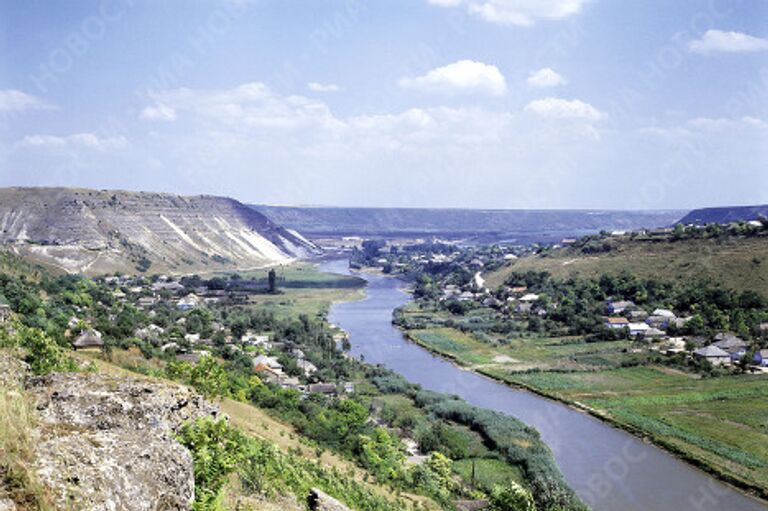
<point x="102" y="231"/>
<point x="107" y="443"/>
<point x="321" y="501"/>
<point x="13" y="371"/>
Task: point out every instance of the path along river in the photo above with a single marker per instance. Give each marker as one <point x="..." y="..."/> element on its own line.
<point x="610" y="469"/>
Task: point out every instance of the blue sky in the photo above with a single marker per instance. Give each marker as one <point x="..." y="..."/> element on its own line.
<point x="456" y="103"/>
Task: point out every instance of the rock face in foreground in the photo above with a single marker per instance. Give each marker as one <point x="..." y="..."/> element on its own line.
<point x="321" y="501"/>
<point x="102" y="231"/>
<point x="107" y="444"/>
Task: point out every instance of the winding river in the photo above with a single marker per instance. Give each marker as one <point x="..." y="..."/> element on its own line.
<point x="610" y="469"/>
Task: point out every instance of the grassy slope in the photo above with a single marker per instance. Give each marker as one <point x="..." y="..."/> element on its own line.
<point x="736" y="263"/>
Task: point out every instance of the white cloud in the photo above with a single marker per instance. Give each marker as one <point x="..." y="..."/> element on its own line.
<point x="545" y="77"/>
<point x="249" y="105"/>
<point x="733" y="42"/>
<point x="159" y="112"/>
<point x="558" y="108"/>
<point x="323" y="87"/>
<point x="516" y="12"/>
<point x="12" y="100"/>
<point x="462" y="77"/>
<point x="77" y="140"/>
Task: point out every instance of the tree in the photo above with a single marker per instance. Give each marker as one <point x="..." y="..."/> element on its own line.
<point x="272" y="281"/>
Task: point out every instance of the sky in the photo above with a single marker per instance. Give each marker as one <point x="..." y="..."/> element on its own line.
<point x="410" y="103"/>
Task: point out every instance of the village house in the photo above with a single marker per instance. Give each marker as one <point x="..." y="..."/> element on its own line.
<point x="307" y="367"/>
<point x="188" y="302"/>
<point x="732" y="344"/>
<point x="530" y="297"/>
<point x="658" y="321"/>
<point x="270" y="362"/>
<point x="268" y="374"/>
<point x="466" y="296"/>
<point x="666" y="313"/>
<point x="329" y="389"/>
<point x="173" y="287"/>
<point x="713" y="354"/>
<point x="616" y="323"/>
<point x="674" y="345"/>
<point x="637" y="315"/>
<point x="619" y="307"/>
<point x="761" y="358"/>
<point x="638" y="328"/>
<point x="251" y="339"/>
<point x="654" y="334"/>
<point x="89" y="338"/>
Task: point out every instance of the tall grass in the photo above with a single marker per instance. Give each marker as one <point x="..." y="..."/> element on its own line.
<point x="17" y="478"/>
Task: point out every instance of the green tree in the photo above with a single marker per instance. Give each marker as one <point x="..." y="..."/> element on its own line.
<point x="272" y="281"/>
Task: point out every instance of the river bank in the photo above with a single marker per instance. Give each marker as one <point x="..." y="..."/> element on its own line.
<point x="608" y="467"/>
<point x="747" y="489"/>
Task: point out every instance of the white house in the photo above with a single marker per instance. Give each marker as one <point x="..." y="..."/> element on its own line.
<point x="638" y="328"/>
<point x="713" y="354"/>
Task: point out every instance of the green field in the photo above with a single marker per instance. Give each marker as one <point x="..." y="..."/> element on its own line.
<point x="520" y="354"/>
<point x="720" y="423"/>
<point x="305" y="290"/>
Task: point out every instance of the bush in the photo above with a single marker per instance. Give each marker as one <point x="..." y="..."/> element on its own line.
<point x="217" y="449"/>
<point x="511" y="497"/>
<point x="43" y="354"/>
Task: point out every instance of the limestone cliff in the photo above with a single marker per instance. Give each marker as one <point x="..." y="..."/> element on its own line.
<point x="92" y="231"/>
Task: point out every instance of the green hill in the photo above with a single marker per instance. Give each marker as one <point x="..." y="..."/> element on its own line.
<point x="737" y="263"/>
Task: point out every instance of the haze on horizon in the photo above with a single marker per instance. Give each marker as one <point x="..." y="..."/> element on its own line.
<point x="556" y="104"/>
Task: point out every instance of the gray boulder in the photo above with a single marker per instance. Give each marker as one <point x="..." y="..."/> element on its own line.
<point x="321" y="501"/>
<point x="107" y="443"/>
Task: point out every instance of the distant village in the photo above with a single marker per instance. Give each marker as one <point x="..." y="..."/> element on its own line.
<point x="654" y="330"/>
<point x="176" y="300"/>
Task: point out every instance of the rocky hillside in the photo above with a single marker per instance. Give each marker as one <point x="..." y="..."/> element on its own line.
<point x="93" y="232"/>
<point x="523" y="225"/>
<point x="725" y="215"/>
<point x="106" y="443"/>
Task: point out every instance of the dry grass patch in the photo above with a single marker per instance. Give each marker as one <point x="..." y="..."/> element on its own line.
<point x="18" y="480"/>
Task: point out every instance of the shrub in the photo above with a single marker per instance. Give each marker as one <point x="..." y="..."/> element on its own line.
<point x="217" y="449"/>
<point x="511" y="497"/>
<point x="43" y="354"/>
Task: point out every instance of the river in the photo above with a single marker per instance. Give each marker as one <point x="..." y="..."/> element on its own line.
<point x="610" y="469"/>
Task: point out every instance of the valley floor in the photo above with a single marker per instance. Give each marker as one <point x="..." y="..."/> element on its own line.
<point x="719" y="424"/>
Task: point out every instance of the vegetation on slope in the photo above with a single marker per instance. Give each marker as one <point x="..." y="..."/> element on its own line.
<point x="731" y="262"/>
